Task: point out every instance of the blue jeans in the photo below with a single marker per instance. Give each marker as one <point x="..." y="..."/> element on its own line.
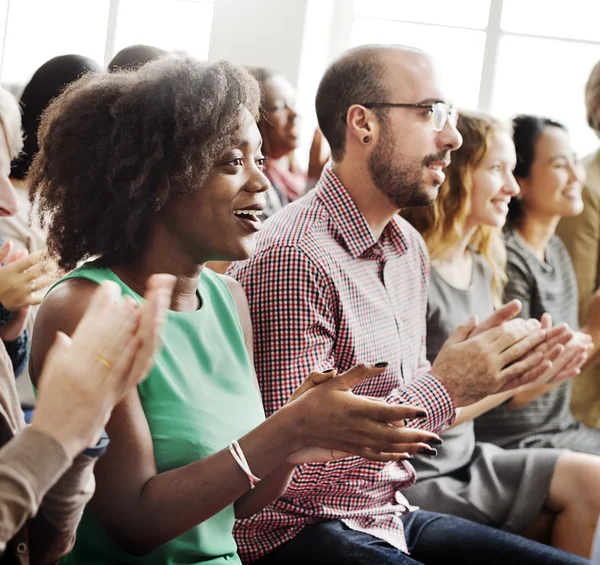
<point x="432" y="539"/>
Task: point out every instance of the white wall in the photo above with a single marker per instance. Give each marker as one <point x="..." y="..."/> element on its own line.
<point x="266" y="33"/>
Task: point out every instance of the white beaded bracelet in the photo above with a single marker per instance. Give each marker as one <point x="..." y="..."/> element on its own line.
<point x="240" y="459"/>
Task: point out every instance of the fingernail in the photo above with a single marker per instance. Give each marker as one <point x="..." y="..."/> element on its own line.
<point x="381" y="364"/>
<point x="408" y="457"/>
<point x="435" y="441"/>
<point x="421" y="414"/>
<point x="428" y="451"/>
<point x="328" y="371"/>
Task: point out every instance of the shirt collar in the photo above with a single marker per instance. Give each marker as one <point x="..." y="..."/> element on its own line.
<point x="349" y="222"/>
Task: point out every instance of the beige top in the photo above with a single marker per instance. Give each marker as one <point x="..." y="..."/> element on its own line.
<point x="36" y="479"/>
<point x="581" y="236"/>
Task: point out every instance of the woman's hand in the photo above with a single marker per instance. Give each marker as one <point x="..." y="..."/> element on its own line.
<point x="24" y="277"/>
<point x="335" y="423"/>
<point x="110" y="352"/>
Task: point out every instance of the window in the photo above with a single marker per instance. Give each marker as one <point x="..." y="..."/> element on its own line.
<point x="37" y="30"/>
<point x="505" y="56"/>
<point x="76" y="27"/>
<point x="170" y="24"/>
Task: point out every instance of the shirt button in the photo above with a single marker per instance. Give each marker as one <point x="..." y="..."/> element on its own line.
<point x="21" y="548"/>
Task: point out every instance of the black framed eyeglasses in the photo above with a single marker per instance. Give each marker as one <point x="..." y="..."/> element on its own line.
<point x="439" y="113"/>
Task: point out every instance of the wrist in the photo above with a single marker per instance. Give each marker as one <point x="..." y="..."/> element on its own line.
<point x="288" y="422"/>
<point x="71" y="445"/>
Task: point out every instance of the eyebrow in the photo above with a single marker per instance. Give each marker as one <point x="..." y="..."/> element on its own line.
<point x="560" y="156"/>
<point x="434" y="101"/>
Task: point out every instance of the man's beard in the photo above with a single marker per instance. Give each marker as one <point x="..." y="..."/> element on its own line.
<point x="403" y="182"/>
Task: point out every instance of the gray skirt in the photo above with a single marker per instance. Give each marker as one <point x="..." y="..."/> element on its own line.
<point x="501" y="488"/>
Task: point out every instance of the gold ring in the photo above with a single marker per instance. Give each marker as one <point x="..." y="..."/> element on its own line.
<point x="33" y="285"/>
<point x="104" y="361"/>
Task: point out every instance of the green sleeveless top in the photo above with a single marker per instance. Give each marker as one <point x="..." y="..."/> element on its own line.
<point x="199" y="396"/>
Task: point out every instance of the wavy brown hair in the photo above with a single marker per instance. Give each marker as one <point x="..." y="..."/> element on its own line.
<point x="114" y="148"/>
<point x="442" y="224"/>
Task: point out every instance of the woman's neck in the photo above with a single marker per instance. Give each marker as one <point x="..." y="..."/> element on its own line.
<point x="458" y="252"/>
<point x="536" y="230"/>
<point x="455" y="265"/>
<point x="161" y="257"/>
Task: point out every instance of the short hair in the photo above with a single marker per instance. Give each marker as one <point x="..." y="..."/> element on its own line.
<point x="357" y="76"/>
<point x="592" y="98"/>
<point x="114" y="148"/>
<point x="134" y="57"/>
<point x="442" y="223"/>
<point x="47" y="83"/>
<point x="527" y="129"/>
<point x="10" y="120"/>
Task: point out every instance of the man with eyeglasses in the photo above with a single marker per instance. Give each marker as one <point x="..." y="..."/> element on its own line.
<point x="338" y="278"/>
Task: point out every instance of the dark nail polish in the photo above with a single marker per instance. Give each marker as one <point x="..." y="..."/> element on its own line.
<point x="408" y="457"/>
<point x="381" y="364"/>
<point x="426" y="451"/>
<point x="421" y="414"/>
<point x="328" y="371"/>
<point x="434" y="441"/>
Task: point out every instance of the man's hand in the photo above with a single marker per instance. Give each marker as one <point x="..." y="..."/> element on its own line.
<point x="482" y="359"/>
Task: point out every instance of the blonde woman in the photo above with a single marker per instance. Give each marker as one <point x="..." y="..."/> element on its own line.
<point x="514" y="490"/>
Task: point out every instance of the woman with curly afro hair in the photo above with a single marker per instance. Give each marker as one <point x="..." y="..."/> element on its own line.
<point x="160" y="171"/>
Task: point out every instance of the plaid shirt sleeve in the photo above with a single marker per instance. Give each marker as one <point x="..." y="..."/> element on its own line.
<point x="293" y="319"/>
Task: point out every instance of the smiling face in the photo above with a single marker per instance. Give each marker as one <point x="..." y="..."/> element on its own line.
<point x="219" y="221"/>
<point x="493" y="184"/>
<point x="555" y="181"/>
<point x="408" y="161"/>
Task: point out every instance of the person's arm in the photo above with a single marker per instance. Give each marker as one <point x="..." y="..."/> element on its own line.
<point x="30" y="464"/>
<point x="581" y="236"/>
<point x="143" y="509"/>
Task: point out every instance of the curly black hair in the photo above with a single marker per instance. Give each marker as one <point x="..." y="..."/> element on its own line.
<point x="114" y="148"/>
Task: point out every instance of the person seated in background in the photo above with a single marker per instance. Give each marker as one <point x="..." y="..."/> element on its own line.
<point x="516" y="490"/>
<point x="279" y="128"/>
<point x="160" y="170"/>
<point x="540" y="274"/>
<point x="19" y="227"/>
<point x="581" y="236"/>
<point x="23" y="277"/>
<point x="45" y="84"/>
<point x="134" y="57"/>
<point x="338" y="276"/>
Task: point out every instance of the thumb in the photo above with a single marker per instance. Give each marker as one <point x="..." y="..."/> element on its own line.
<point x="5" y="250"/>
<point x="507" y="312"/>
<point x="360" y="373"/>
<point x="313" y="380"/>
<point x="463" y="331"/>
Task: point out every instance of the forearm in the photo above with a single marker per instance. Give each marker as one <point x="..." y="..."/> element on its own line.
<point x="18" y="352"/>
<point x="30" y="464"/>
<point x="468" y="413"/>
<point x="523" y="398"/>
<point x="52" y="532"/>
<point x="172" y="502"/>
<point x="267" y="491"/>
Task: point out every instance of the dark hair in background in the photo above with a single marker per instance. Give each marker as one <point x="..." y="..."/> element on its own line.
<point x="526" y="132"/>
<point x="134" y="57"/>
<point x="355" y="78"/>
<point x="47" y="83"/>
<point x="114" y="148"/>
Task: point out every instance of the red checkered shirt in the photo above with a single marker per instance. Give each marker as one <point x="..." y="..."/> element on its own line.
<point x="324" y="293"/>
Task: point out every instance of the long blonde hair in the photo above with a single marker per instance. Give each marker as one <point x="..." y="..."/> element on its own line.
<point x="442" y="225"/>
